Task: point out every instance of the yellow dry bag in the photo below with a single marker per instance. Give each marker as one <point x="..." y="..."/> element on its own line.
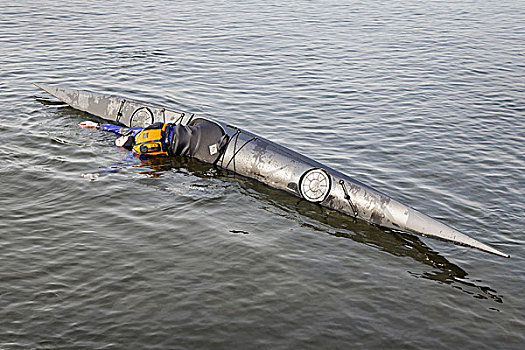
<point x="150" y="142"/>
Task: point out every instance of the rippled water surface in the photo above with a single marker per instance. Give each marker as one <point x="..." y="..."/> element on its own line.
<point x="422" y="100"/>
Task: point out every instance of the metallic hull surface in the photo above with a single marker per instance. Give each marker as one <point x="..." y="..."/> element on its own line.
<point x="278" y="167"/>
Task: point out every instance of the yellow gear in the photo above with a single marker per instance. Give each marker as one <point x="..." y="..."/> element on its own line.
<point x="150" y="142"/>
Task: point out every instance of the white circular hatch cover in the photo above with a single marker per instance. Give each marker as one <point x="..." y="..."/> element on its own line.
<point x="315" y="185"/>
<point x="142" y="117"/>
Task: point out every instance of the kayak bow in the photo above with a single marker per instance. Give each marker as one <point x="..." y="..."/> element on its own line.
<point x="279" y="167"/>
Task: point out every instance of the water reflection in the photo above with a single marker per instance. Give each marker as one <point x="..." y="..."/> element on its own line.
<point x="336" y="224"/>
<point x="396" y="243"/>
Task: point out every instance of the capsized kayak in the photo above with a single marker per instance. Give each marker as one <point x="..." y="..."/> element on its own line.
<point x="255" y="157"/>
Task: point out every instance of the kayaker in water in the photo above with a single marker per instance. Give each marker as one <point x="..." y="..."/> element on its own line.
<point x="201" y="139"/>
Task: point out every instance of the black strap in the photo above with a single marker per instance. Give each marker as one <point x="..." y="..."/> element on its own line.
<point x="179" y="119"/>
<point x="347" y="197"/>
<point x="223" y="145"/>
<point x="119" y="113"/>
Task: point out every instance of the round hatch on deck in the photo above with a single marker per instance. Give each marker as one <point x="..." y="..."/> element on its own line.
<point x="315" y="185"/>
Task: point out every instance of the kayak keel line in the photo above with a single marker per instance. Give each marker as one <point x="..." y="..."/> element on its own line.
<point x="255" y="157"/>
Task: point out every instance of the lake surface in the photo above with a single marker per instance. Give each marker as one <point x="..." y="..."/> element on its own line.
<point x="424" y="101"/>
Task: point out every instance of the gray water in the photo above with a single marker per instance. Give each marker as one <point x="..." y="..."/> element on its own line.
<point x="421" y="100"/>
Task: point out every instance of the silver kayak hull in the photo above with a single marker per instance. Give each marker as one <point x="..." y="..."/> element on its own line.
<point x="279" y="167"/>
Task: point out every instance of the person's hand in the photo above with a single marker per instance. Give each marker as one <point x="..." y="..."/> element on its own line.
<point x="88" y="124"/>
<point x="121" y="141"/>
